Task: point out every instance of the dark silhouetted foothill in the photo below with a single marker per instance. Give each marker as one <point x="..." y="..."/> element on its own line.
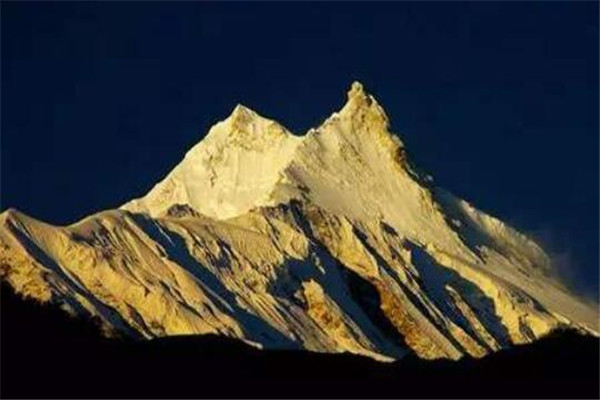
<point x="48" y="354"/>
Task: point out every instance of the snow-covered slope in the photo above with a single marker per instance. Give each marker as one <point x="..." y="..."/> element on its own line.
<point x="232" y="170"/>
<point x="331" y="241"/>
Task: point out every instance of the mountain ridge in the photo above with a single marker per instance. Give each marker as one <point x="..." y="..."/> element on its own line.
<point x="328" y="242"/>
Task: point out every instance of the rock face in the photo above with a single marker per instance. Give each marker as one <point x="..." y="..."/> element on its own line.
<point x="329" y="242"/>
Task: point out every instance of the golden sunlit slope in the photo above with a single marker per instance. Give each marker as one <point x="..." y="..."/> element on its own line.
<point x="328" y="242"/>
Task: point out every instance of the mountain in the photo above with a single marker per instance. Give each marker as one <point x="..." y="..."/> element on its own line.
<point x="330" y="242"/>
<point x="563" y="364"/>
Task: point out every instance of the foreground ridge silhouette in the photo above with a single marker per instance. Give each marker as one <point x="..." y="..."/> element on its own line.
<point x="48" y="354"/>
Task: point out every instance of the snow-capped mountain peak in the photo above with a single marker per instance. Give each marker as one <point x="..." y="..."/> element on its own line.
<point x="364" y="108"/>
<point x="329" y="241"/>
<point x="245" y="127"/>
<point x="245" y="158"/>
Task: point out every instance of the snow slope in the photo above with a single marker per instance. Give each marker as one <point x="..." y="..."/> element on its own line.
<point x="331" y="242"/>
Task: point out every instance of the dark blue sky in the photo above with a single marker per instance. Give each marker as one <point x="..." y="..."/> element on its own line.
<point x="498" y="101"/>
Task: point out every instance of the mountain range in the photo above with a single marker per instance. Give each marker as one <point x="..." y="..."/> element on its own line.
<point x="331" y="242"/>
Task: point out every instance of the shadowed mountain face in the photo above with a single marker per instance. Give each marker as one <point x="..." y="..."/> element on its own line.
<point x="48" y="354"/>
<point x="329" y="242"/>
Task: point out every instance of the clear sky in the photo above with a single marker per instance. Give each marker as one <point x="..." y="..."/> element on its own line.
<point x="497" y="100"/>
